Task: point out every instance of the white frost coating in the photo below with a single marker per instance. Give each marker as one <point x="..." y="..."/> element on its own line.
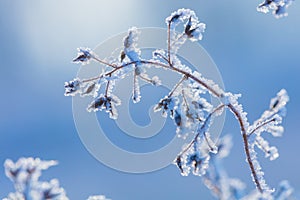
<point x="130" y="45"/>
<point x="25" y="175"/>
<point x="230" y="98"/>
<point x="72" y="87"/>
<point x="55" y="191"/>
<point x="192" y="30"/>
<point x="270" y="152"/>
<point x="136" y="94"/>
<point x="210" y="83"/>
<point x="179" y="16"/>
<point x="20" y="170"/>
<point x="258" y="170"/>
<point x="224" y="146"/>
<point x="83" y="56"/>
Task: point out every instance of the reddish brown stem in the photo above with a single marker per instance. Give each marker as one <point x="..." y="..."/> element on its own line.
<point x="246" y="146"/>
<point x="103" y="62"/>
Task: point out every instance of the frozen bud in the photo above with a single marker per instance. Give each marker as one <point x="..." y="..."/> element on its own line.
<point x="72" y="87"/>
<point x="180" y="15"/>
<point x="177" y="118"/>
<point x="178" y="163"/>
<point x="280" y="11"/>
<point x="107" y="103"/>
<point x="98" y="104"/>
<point x="166" y="104"/>
<point x="198" y="164"/>
<point x="278" y="7"/>
<point x="279" y="102"/>
<point x="194" y="29"/>
<point x="159" y="54"/>
<point x="155" y="81"/>
<point x="175" y="17"/>
<point x="130" y="45"/>
<point x="122" y="56"/>
<point x="264" y="7"/>
<point x="83" y="56"/>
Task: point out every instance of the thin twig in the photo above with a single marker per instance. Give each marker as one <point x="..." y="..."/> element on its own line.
<point x="258" y="127"/>
<point x="214" y="188"/>
<point x="103" y="62"/>
<point x="106" y="89"/>
<point x="176" y="86"/>
<point x="185" y="100"/>
<point x="169" y="42"/>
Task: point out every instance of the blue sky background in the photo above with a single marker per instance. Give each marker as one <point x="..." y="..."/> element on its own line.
<point x="256" y="54"/>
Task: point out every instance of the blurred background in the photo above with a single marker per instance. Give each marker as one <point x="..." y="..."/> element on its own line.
<point x="256" y="54"/>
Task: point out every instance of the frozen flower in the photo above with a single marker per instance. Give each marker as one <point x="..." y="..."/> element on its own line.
<point x="72" y="87"/>
<point x="84" y="55"/>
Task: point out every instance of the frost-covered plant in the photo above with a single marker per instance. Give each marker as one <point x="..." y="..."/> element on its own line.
<point x="187" y="105"/>
<point x="25" y="174"/>
<point x="278" y="7"/>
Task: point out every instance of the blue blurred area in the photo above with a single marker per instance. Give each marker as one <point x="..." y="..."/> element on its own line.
<point x="257" y="55"/>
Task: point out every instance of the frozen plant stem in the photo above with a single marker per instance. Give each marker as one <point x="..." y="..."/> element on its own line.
<point x="187" y="75"/>
<point x="189" y="110"/>
<point x="246" y="146"/>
